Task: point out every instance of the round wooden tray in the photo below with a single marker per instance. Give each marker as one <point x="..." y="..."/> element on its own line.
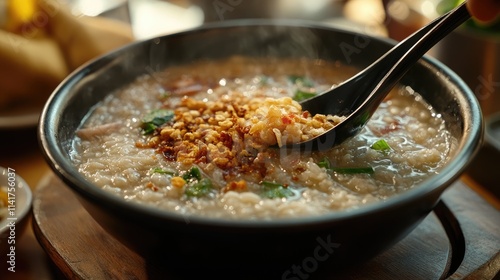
<point x="81" y="249"/>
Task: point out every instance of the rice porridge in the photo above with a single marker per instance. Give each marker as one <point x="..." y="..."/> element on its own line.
<point x="204" y="139"/>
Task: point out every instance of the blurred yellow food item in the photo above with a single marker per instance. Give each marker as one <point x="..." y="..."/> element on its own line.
<point x="17" y="13"/>
<point x="36" y="58"/>
<point x="4" y="197"/>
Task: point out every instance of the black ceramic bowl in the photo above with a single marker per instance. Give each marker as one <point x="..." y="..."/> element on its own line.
<point x="244" y="246"/>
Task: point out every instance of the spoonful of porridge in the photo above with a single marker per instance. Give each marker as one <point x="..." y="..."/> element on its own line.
<point x="357" y="98"/>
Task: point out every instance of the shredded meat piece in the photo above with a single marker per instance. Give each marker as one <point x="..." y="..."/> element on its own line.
<point x="91" y="132"/>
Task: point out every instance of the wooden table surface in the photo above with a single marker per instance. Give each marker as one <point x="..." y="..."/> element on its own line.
<point x="84" y="250"/>
<point x="20" y="150"/>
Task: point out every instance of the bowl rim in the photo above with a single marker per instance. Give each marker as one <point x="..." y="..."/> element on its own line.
<point x="58" y="161"/>
<point x="22" y="190"/>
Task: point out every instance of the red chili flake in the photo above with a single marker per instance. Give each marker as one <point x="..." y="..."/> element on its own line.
<point x="151" y="186"/>
<point x="288" y="119"/>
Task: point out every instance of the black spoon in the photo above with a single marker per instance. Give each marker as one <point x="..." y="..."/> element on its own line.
<point x="358" y="97"/>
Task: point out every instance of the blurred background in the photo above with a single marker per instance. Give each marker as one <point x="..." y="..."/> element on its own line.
<point x="471" y="51"/>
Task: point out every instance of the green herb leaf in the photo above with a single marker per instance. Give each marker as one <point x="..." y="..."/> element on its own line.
<point x="199" y="189"/>
<point x="148" y="128"/>
<point x="325" y="163"/>
<point x="263" y="80"/>
<point x="275" y="190"/>
<point x="301" y="81"/>
<point x="193" y="173"/>
<point x="165" y="95"/>
<point x="303" y="95"/>
<point x="163" y="171"/>
<point x="155" y="119"/>
<point x="353" y="170"/>
<point x="159" y="114"/>
<point x="381" y="145"/>
<point x="267" y="184"/>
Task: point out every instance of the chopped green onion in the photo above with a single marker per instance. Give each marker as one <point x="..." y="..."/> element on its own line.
<point x="268" y="184"/>
<point x="381" y="145"/>
<point x="193" y="173"/>
<point x="325" y="163"/>
<point x="196" y="185"/>
<point x="277" y="193"/>
<point x="148" y="128"/>
<point x="301" y="81"/>
<point x="263" y="80"/>
<point x="163" y="171"/>
<point x="303" y="95"/>
<point x="159" y="115"/>
<point x="305" y="87"/>
<point x="275" y="190"/>
<point x="165" y="94"/>
<point x="353" y="170"/>
<point x="199" y="189"/>
<point x="155" y="119"/>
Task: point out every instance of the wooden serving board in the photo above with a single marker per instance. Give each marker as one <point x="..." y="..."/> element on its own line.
<point x="81" y="249"/>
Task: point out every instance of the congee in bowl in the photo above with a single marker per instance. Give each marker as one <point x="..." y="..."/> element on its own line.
<point x="173" y="146"/>
<point x="204" y="139"/>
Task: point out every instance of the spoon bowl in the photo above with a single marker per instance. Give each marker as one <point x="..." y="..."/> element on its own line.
<point x="358" y="97"/>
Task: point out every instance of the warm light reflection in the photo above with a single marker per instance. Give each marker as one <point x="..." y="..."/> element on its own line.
<point x="428" y="9"/>
<point x="91" y="7"/>
<point x="399" y="10"/>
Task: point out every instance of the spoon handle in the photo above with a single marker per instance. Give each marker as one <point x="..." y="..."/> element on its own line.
<point x="398" y="51"/>
<point x="391" y="57"/>
<point x="415" y="46"/>
<point x="370" y="86"/>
